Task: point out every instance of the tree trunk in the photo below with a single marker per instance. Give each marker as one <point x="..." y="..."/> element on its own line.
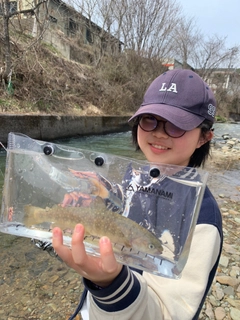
<point x="8" y="60"/>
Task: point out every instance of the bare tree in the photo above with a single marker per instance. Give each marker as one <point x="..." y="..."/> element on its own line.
<point x="144" y="26"/>
<point x="186" y="37"/>
<point x="147" y="26"/>
<point x="212" y="53"/>
<point x="8" y="12"/>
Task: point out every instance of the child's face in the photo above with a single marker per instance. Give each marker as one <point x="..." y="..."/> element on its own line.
<point x="157" y="146"/>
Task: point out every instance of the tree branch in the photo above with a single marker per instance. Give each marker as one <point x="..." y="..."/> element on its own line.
<point x="27" y="10"/>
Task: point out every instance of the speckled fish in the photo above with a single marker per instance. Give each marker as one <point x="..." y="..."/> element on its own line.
<point x="98" y="222"/>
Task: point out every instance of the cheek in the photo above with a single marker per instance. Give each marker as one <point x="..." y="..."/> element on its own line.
<point x="191" y="141"/>
<point x="141" y="137"/>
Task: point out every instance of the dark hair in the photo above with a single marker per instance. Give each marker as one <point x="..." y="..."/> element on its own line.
<point x="199" y="156"/>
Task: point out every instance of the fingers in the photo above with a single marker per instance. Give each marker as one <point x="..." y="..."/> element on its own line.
<point x="102" y="270"/>
<point x="108" y="261"/>
<point x="76" y="257"/>
<point x="64" y="252"/>
<point x="57" y="239"/>
<point x="78" y="248"/>
<point x="67" y="200"/>
<point x="83" y="174"/>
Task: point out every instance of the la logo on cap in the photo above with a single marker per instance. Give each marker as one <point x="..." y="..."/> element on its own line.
<point x="172" y="88"/>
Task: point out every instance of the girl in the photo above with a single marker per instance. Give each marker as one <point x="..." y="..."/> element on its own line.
<point x="172" y="126"/>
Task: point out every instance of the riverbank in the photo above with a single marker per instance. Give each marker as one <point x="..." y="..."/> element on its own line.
<point x="50" y="127"/>
<point x="34" y="285"/>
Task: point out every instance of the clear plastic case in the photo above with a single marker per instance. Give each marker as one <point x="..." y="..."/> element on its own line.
<point x="148" y="210"/>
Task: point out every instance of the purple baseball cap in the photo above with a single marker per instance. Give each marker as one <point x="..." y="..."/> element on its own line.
<point x="181" y="97"/>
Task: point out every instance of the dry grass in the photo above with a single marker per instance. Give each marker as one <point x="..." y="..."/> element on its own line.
<point x="45" y="82"/>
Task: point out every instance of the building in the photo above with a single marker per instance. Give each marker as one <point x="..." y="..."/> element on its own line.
<point x="63" y="21"/>
<point x="172" y="63"/>
<point x="224" y="78"/>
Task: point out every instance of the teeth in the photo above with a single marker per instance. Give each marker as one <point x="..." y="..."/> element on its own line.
<point x="159" y="147"/>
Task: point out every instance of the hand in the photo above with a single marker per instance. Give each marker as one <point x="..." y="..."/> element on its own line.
<point x="100" y="185"/>
<point x="100" y="270"/>
<point x="76" y="199"/>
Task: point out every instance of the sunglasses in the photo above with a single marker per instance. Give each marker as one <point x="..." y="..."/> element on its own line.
<point x="149" y="123"/>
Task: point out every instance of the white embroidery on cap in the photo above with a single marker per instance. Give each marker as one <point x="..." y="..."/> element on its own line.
<point x="172" y="88"/>
<point x="211" y="110"/>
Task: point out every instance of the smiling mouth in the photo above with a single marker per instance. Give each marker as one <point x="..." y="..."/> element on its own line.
<point x="159" y="147"/>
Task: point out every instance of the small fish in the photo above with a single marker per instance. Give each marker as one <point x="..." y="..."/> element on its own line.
<point x="98" y="222"/>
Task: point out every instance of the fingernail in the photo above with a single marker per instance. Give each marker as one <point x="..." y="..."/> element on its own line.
<point x="78" y="228"/>
<point x="104" y="240"/>
<point x="55" y="233"/>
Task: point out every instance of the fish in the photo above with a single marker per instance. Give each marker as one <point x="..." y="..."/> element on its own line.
<point x="98" y="222"/>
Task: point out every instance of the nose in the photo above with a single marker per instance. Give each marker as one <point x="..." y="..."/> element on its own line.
<point x="159" y="131"/>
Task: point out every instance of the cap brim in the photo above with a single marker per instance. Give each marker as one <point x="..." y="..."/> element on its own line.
<point x="181" y="118"/>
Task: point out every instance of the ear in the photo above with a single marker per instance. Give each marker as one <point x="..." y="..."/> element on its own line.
<point x="205" y="138"/>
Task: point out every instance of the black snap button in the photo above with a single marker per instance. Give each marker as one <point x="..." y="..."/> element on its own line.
<point x="99" y="161"/>
<point x="154" y="172"/>
<point x="48" y="150"/>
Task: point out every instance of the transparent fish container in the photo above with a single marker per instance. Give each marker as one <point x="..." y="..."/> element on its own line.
<point x="148" y="210"/>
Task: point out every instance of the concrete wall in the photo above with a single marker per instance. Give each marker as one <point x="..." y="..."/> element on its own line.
<point x="48" y="128"/>
<point x="58" y="42"/>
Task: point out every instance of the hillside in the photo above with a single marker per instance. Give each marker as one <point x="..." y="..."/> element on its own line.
<point x="45" y="82"/>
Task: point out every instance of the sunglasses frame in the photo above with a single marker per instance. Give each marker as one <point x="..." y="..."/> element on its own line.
<point x="157" y="124"/>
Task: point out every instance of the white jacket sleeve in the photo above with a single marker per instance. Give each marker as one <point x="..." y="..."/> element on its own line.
<point x="134" y="297"/>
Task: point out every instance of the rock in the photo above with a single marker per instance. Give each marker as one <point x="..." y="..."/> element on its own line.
<point x="235" y="314"/>
<point x="214" y="302"/>
<point x="226" y="136"/>
<point x="225" y="148"/>
<point x="230" y="248"/>
<point x="224" y="261"/>
<point x="235" y="272"/>
<point x="219" y="293"/>
<point x="224" y="209"/>
<point x="221" y="195"/>
<point x="233" y="212"/>
<point x="53" y="306"/>
<point x="234" y="303"/>
<point x="54" y="278"/>
<point x="209" y="311"/>
<point x="228" y="280"/>
<point x="231" y="142"/>
<point x="220" y="313"/>
<point x="229" y="291"/>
